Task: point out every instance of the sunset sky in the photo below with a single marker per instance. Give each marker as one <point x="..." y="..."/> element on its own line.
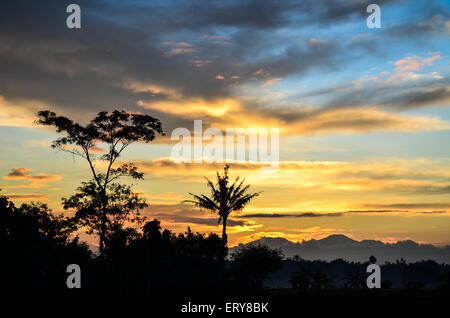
<point x="363" y="114"/>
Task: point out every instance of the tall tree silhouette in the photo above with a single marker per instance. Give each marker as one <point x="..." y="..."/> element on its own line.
<point x="252" y="264"/>
<point x="105" y="214"/>
<point x="118" y="130"/>
<point x="225" y="198"/>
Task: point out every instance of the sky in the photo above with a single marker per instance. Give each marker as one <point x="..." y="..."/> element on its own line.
<point x="363" y="114"/>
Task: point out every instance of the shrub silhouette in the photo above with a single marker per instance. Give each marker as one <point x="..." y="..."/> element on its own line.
<point x="99" y="199"/>
<point x="251" y="265"/>
<point x="36" y="248"/>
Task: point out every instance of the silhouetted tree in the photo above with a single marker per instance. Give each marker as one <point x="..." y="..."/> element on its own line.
<point x="118" y="130"/>
<point x="320" y="280"/>
<point x="445" y="281"/>
<point x="252" y="264"/>
<point x="301" y="279"/>
<point x="33" y="222"/>
<point x="312" y="276"/>
<point x="36" y="246"/>
<point x="122" y="206"/>
<point x="225" y="198"/>
<point x="354" y="279"/>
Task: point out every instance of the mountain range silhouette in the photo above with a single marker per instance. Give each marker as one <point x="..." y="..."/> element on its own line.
<point x="340" y="246"/>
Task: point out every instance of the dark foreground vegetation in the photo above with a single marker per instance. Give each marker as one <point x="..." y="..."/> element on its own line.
<point x="137" y="258"/>
<point x="37" y="247"/>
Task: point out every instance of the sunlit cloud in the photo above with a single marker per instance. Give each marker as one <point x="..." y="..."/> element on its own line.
<point x="178" y="217"/>
<point x="178" y="51"/>
<point x="415" y="63"/>
<point x="272" y="81"/>
<point x="27" y="197"/>
<point x="24" y="174"/>
<point x="16" y="113"/>
<point x="174" y="43"/>
<point x="195" y="108"/>
<point x="226" y="113"/>
<point x="38" y="180"/>
<point x="420" y="177"/>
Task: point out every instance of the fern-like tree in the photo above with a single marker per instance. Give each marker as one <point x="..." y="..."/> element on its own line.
<point x="226" y="197"/>
<point x="102" y="203"/>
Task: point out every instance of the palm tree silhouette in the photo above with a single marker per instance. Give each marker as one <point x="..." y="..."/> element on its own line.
<point x="225" y="198"/>
<point x="354" y="279"/>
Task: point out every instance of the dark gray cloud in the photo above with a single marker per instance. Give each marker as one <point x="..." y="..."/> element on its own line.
<point x="421" y="98"/>
<point x="27" y="197"/>
<point x="336" y="214"/>
<point x="79" y="72"/>
<point x="42" y="60"/>
<point x="125" y="41"/>
<point x="422" y="205"/>
<point x="290" y="215"/>
<point x="198" y="220"/>
<point x="432" y="19"/>
<point x="407" y="96"/>
<point x="433" y="212"/>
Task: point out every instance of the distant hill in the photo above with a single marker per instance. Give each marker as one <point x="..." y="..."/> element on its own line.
<point x="340" y="246"/>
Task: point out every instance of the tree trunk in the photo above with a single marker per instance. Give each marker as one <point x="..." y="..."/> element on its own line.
<point x="102" y="236"/>
<point x="224" y="232"/>
<point x="103" y="225"/>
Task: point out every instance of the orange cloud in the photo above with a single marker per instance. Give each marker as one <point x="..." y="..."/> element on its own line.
<point x="193" y="108"/>
<point x="38" y="180"/>
<point x="345" y="185"/>
<point x="24" y="174"/>
<point x="92" y="149"/>
<point x="27" y="197"/>
<point x="178" y="51"/>
<point x="174" y="43"/>
<point x="415" y="63"/>
<point x="17" y="113"/>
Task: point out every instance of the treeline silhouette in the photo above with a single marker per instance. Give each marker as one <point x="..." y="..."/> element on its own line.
<point x="37" y="247"/>
<point x="304" y="275"/>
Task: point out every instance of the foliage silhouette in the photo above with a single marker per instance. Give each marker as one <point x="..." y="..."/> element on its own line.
<point x="36" y="248"/>
<point x="301" y="279"/>
<point x="312" y="277"/>
<point x="354" y="279"/>
<point x="122" y="206"/>
<point x="118" y="130"/>
<point x="251" y="265"/>
<point x="225" y="198"/>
